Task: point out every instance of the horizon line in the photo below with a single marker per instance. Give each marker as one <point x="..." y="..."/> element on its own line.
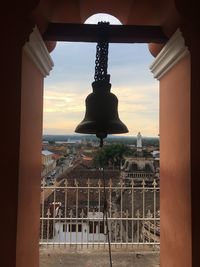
<point x="109" y="135"/>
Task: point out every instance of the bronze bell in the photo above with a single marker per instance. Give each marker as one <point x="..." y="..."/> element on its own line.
<point x="101" y="116"/>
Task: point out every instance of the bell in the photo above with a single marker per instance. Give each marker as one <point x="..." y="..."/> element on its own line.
<point x="101" y="116"/>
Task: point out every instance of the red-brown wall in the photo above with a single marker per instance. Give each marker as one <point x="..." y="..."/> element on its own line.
<point x="27" y="252"/>
<point x="194" y="45"/>
<point x="175" y="174"/>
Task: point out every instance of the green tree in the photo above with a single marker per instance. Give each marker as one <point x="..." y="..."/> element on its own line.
<point x="51" y="142"/>
<point x="111" y="155"/>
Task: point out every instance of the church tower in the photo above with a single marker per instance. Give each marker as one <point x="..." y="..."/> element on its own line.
<point x="139" y="142"/>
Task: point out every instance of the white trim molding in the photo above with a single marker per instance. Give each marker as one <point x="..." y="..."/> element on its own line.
<point x="36" y="49"/>
<point x="171" y="53"/>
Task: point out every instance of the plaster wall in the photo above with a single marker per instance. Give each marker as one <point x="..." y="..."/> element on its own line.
<point x="193" y="42"/>
<point x="175" y="166"/>
<point x="29" y="165"/>
<point x="77" y="237"/>
<point x="10" y="141"/>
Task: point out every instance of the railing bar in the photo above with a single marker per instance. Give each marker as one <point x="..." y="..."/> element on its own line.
<point x="47" y="230"/>
<point x="126" y="227"/>
<point x="99" y="209"/>
<point x="138" y="233"/>
<point x="143" y="205"/>
<point x="106" y="243"/>
<point x="88" y="208"/>
<point x="121" y="203"/>
<point x="93" y="230"/>
<point x="76" y="231"/>
<point x="88" y="229"/>
<point x="113" y="218"/>
<point x="110" y="198"/>
<point x="82" y="229"/>
<point x="66" y="204"/>
<point x="59" y="230"/>
<point x="94" y="187"/>
<point x="132" y="210"/>
<point x="105" y="231"/>
<point x="42" y="224"/>
<point x="77" y="192"/>
<point x="154" y="208"/>
<point x="70" y="227"/>
<point x="115" y="233"/>
<point x="54" y="199"/>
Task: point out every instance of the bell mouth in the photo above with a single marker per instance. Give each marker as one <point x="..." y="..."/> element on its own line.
<point x="98" y="128"/>
<point x="101" y="116"/>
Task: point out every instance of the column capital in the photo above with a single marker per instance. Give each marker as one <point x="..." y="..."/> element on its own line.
<point x="171" y="53"/>
<point x="36" y="49"/>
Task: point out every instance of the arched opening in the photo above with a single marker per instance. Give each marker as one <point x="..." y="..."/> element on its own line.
<point x="65" y="92"/>
<point x="132" y="79"/>
<point x="180" y="228"/>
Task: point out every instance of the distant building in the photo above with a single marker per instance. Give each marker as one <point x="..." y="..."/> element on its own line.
<point x="156" y="154"/>
<point x="139" y="146"/>
<point x="90" y="228"/>
<point x="73" y="141"/>
<point x="138" y="168"/>
<point x="139" y="141"/>
<point x="48" y="162"/>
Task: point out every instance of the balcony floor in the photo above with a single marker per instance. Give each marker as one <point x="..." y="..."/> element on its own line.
<point x="97" y="257"/>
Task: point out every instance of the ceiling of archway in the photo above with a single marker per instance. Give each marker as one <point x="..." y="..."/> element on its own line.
<point x="135" y="12"/>
<point x="131" y="12"/>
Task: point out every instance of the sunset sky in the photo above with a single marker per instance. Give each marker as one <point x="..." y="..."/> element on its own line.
<point x="69" y="83"/>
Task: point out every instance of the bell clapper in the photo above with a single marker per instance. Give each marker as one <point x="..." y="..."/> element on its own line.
<point x="101" y="136"/>
<point x="101" y="142"/>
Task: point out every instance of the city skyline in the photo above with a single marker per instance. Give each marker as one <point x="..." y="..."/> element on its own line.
<point x="70" y="81"/>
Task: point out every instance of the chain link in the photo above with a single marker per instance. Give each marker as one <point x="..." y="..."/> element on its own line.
<point x="101" y="62"/>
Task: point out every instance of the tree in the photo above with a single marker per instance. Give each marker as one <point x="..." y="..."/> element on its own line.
<point x="111" y="155"/>
<point x="51" y="142"/>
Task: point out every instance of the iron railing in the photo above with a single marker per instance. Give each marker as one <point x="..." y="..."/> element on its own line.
<point x="72" y="212"/>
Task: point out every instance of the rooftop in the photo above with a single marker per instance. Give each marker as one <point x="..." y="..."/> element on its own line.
<point x="46" y="152"/>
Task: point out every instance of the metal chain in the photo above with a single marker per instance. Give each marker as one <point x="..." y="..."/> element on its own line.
<point x="101" y="62"/>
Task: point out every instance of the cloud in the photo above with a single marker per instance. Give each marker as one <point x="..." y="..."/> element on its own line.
<point x="55" y="102"/>
<point x="137" y="99"/>
<point x="70" y="82"/>
<point x="138" y="108"/>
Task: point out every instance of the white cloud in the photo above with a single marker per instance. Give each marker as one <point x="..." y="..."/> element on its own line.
<point x="70" y="83"/>
<point x="138" y="109"/>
